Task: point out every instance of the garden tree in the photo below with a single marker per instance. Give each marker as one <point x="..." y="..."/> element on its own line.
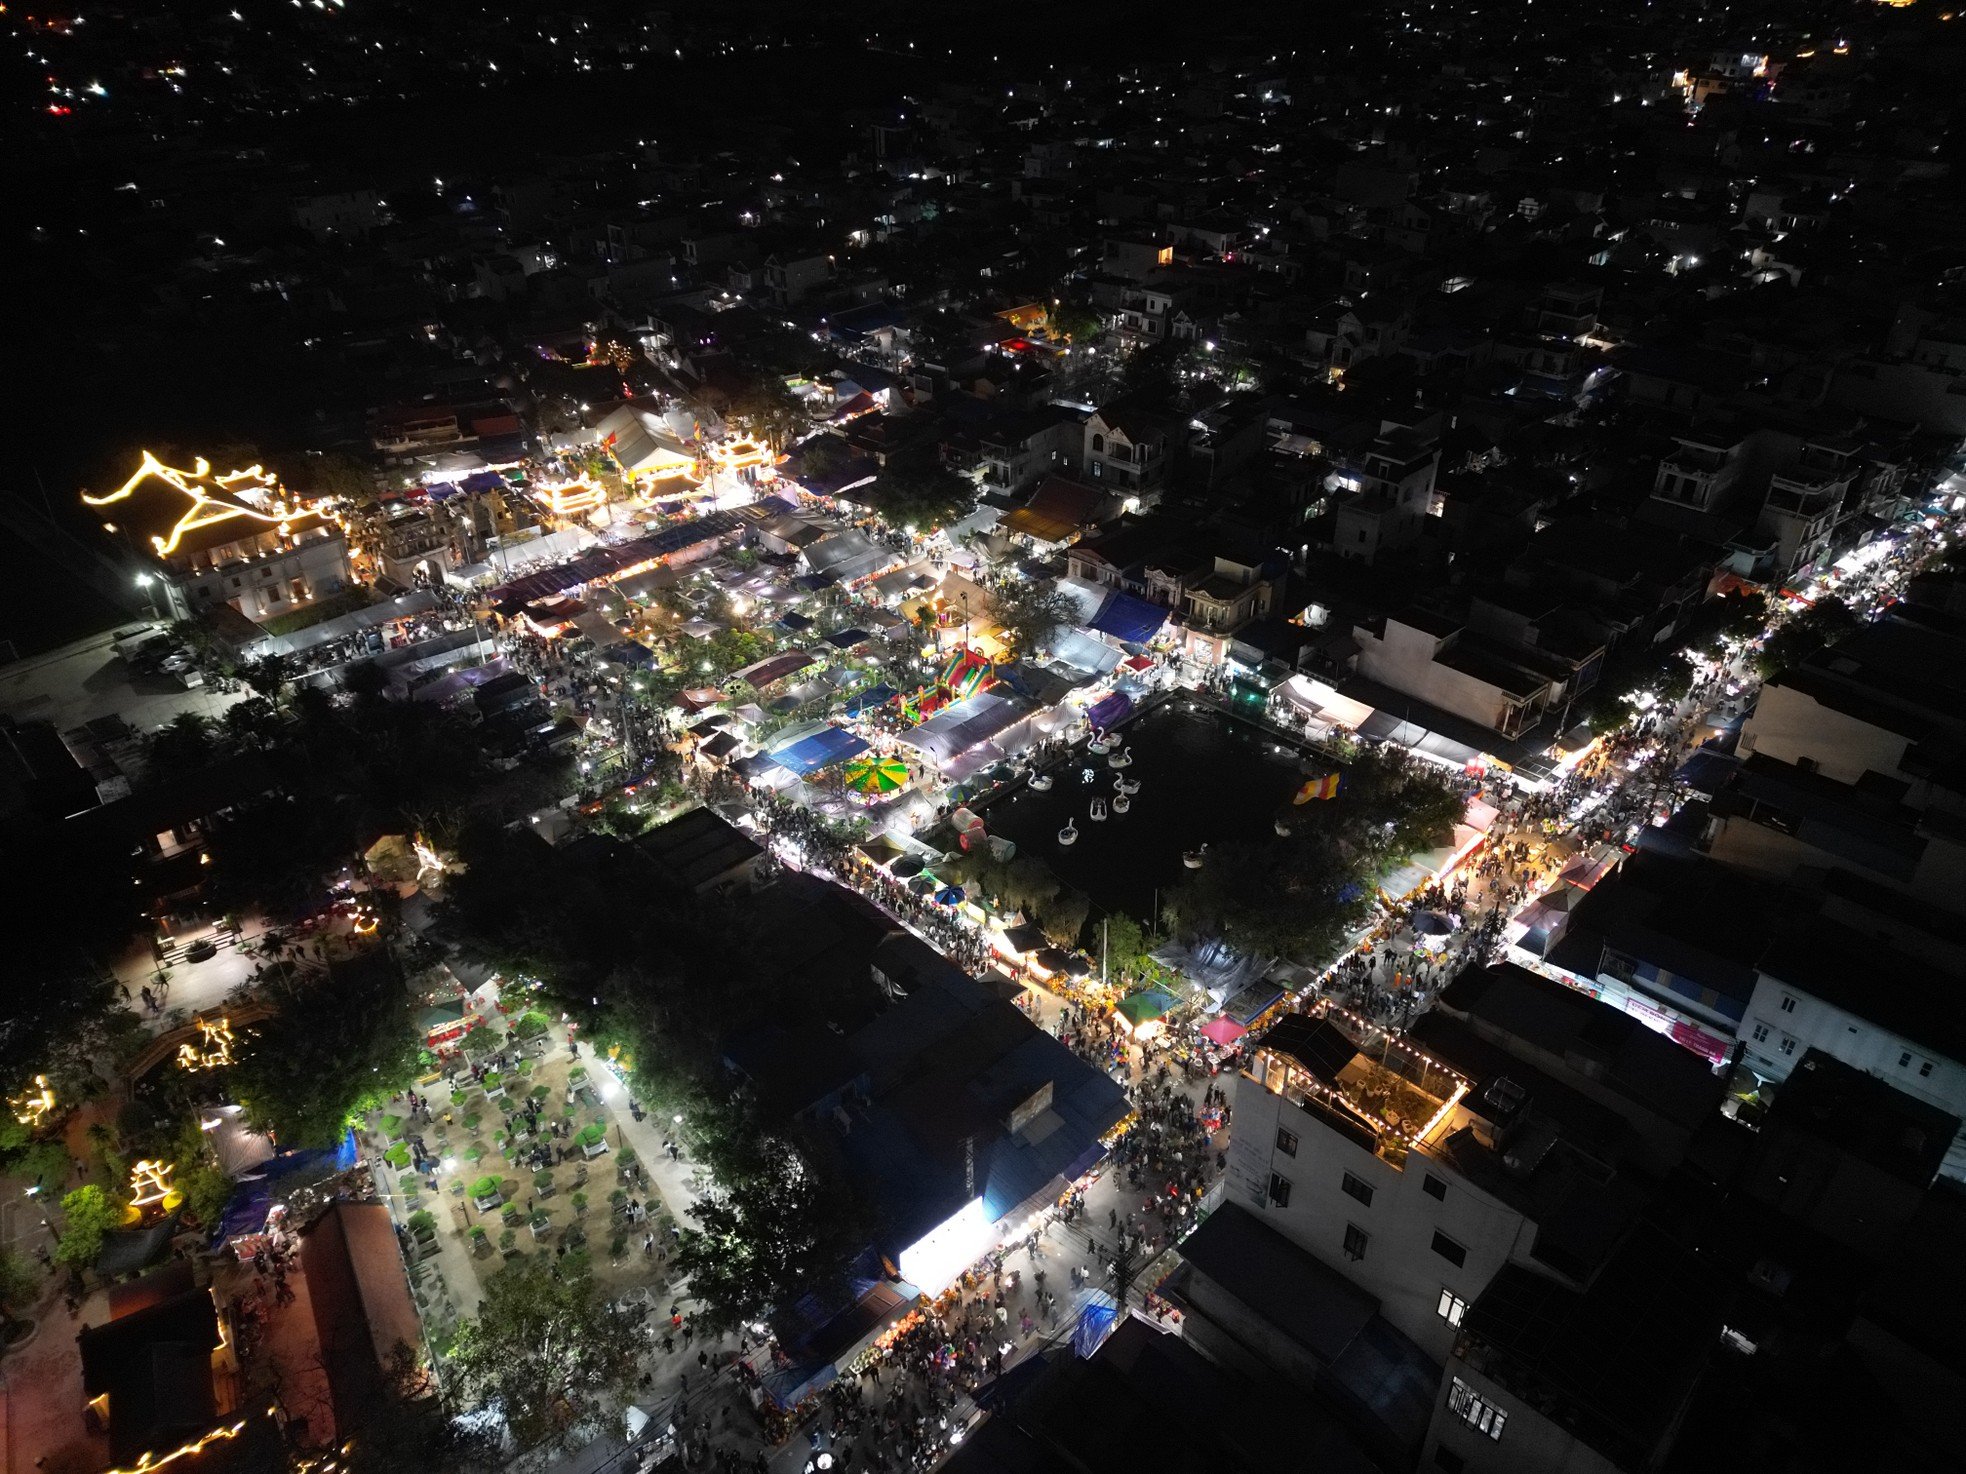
<point x="1280" y="898"/>
<point x="1030" y="611"/>
<point x="729" y="650"/>
<point x="921" y="496"/>
<point x="1390" y="805"/>
<point x="1675" y="679"/>
<point x="1737" y="616"/>
<point x="338" y="474"/>
<point x="824" y="454"/>
<point x="86" y="1215"/>
<point x="252" y="725"/>
<point x="21" y="1285"/>
<point x="267" y="676"/>
<point x="405" y="1431"/>
<point x="339" y="1044"/>
<point x="1073" y="322"/>
<point x="1123" y="944"/>
<point x="769" y="1230"/>
<point x="1063" y="916"/>
<point x="339" y="774"/>
<point x="1022" y="883"/>
<point x="199" y="1177"/>
<point x="547" y="1350"/>
<point x="58" y="1017"/>
<point x="271" y="856"/>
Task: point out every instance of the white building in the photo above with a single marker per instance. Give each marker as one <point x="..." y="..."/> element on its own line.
<point x="1866" y="1005"/>
<point x="1416" y="1182"/>
<point x="1436" y="660"/>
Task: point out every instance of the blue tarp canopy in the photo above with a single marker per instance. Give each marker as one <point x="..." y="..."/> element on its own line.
<point x="482" y="481"/>
<point x="245" y="1212"/>
<point x="821" y="750"/>
<point x="867" y="700"/>
<point x="1130" y="620"/>
<point x="1110" y="710"/>
<point x="1096" y="1322"/>
<point x="847" y="639"/>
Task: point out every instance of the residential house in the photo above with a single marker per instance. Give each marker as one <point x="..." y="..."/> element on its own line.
<point x="1440" y="661"/>
<point x="1807" y="497"/>
<point x="1125" y="447"/>
<point x="1419" y="1182"/>
<point x="790" y="277"/>
<point x="1889" y="701"/>
<point x="1019" y="449"/>
<point x="1839" y="992"/>
<point x="1387" y="500"/>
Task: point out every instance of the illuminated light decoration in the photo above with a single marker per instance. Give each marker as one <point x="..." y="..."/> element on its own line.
<point x="207" y="510"/>
<point x="215" y="1053"/>
<point x="428" y="861"/>
<point x="735" y="454"/>
<point x="150" y="1182"/>
<point x="148" y="1461"/>
<point x="31" y="1107"/>
<point x="571" y="498"/>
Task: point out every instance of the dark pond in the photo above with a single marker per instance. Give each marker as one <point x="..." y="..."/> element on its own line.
<point x="1204" y="779"/>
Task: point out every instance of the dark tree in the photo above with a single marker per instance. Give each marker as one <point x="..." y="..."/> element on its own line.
<point x="341" y="1042"/>
<point x="546" y="1350"/>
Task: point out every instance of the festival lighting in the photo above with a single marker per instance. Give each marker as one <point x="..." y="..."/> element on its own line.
<point x="150" y="1182"/>
<point x="214" y="1053"/>
<point x="206" y="510"/>
<point x="33" y="1106"/>
<point x="148" y="1461"/>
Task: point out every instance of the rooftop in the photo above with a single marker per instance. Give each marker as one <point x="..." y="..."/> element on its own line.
<point x="1611" y="1048"/>
<point x="1864" y="1116"/>
<point x="1376" y="1086"/>
<point x="1613" y="1364"/>
<point x="697" y="849"/>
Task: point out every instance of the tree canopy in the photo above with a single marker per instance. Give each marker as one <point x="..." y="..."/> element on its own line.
<point x="1030" y="612"/>
<point x="86" y="1215"/>
<point x="770" y="1231"/>
<point x="1822" y="624"/>
<point x="545" y="1350"/>
<point x="339" y="1043"/>
<point x="921" y="497"/>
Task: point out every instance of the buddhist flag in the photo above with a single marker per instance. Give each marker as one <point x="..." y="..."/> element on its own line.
<point x="1325" y="787"/>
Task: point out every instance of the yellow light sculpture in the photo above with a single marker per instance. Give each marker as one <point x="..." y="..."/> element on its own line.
<point x="149" y="1461"/>
<point x="205" y="510"/>
<point x="150" y="1182"/>
<point x="428" y="861"/>
<point x="216" y="1051"/>
<point x="32" y="1107"/>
